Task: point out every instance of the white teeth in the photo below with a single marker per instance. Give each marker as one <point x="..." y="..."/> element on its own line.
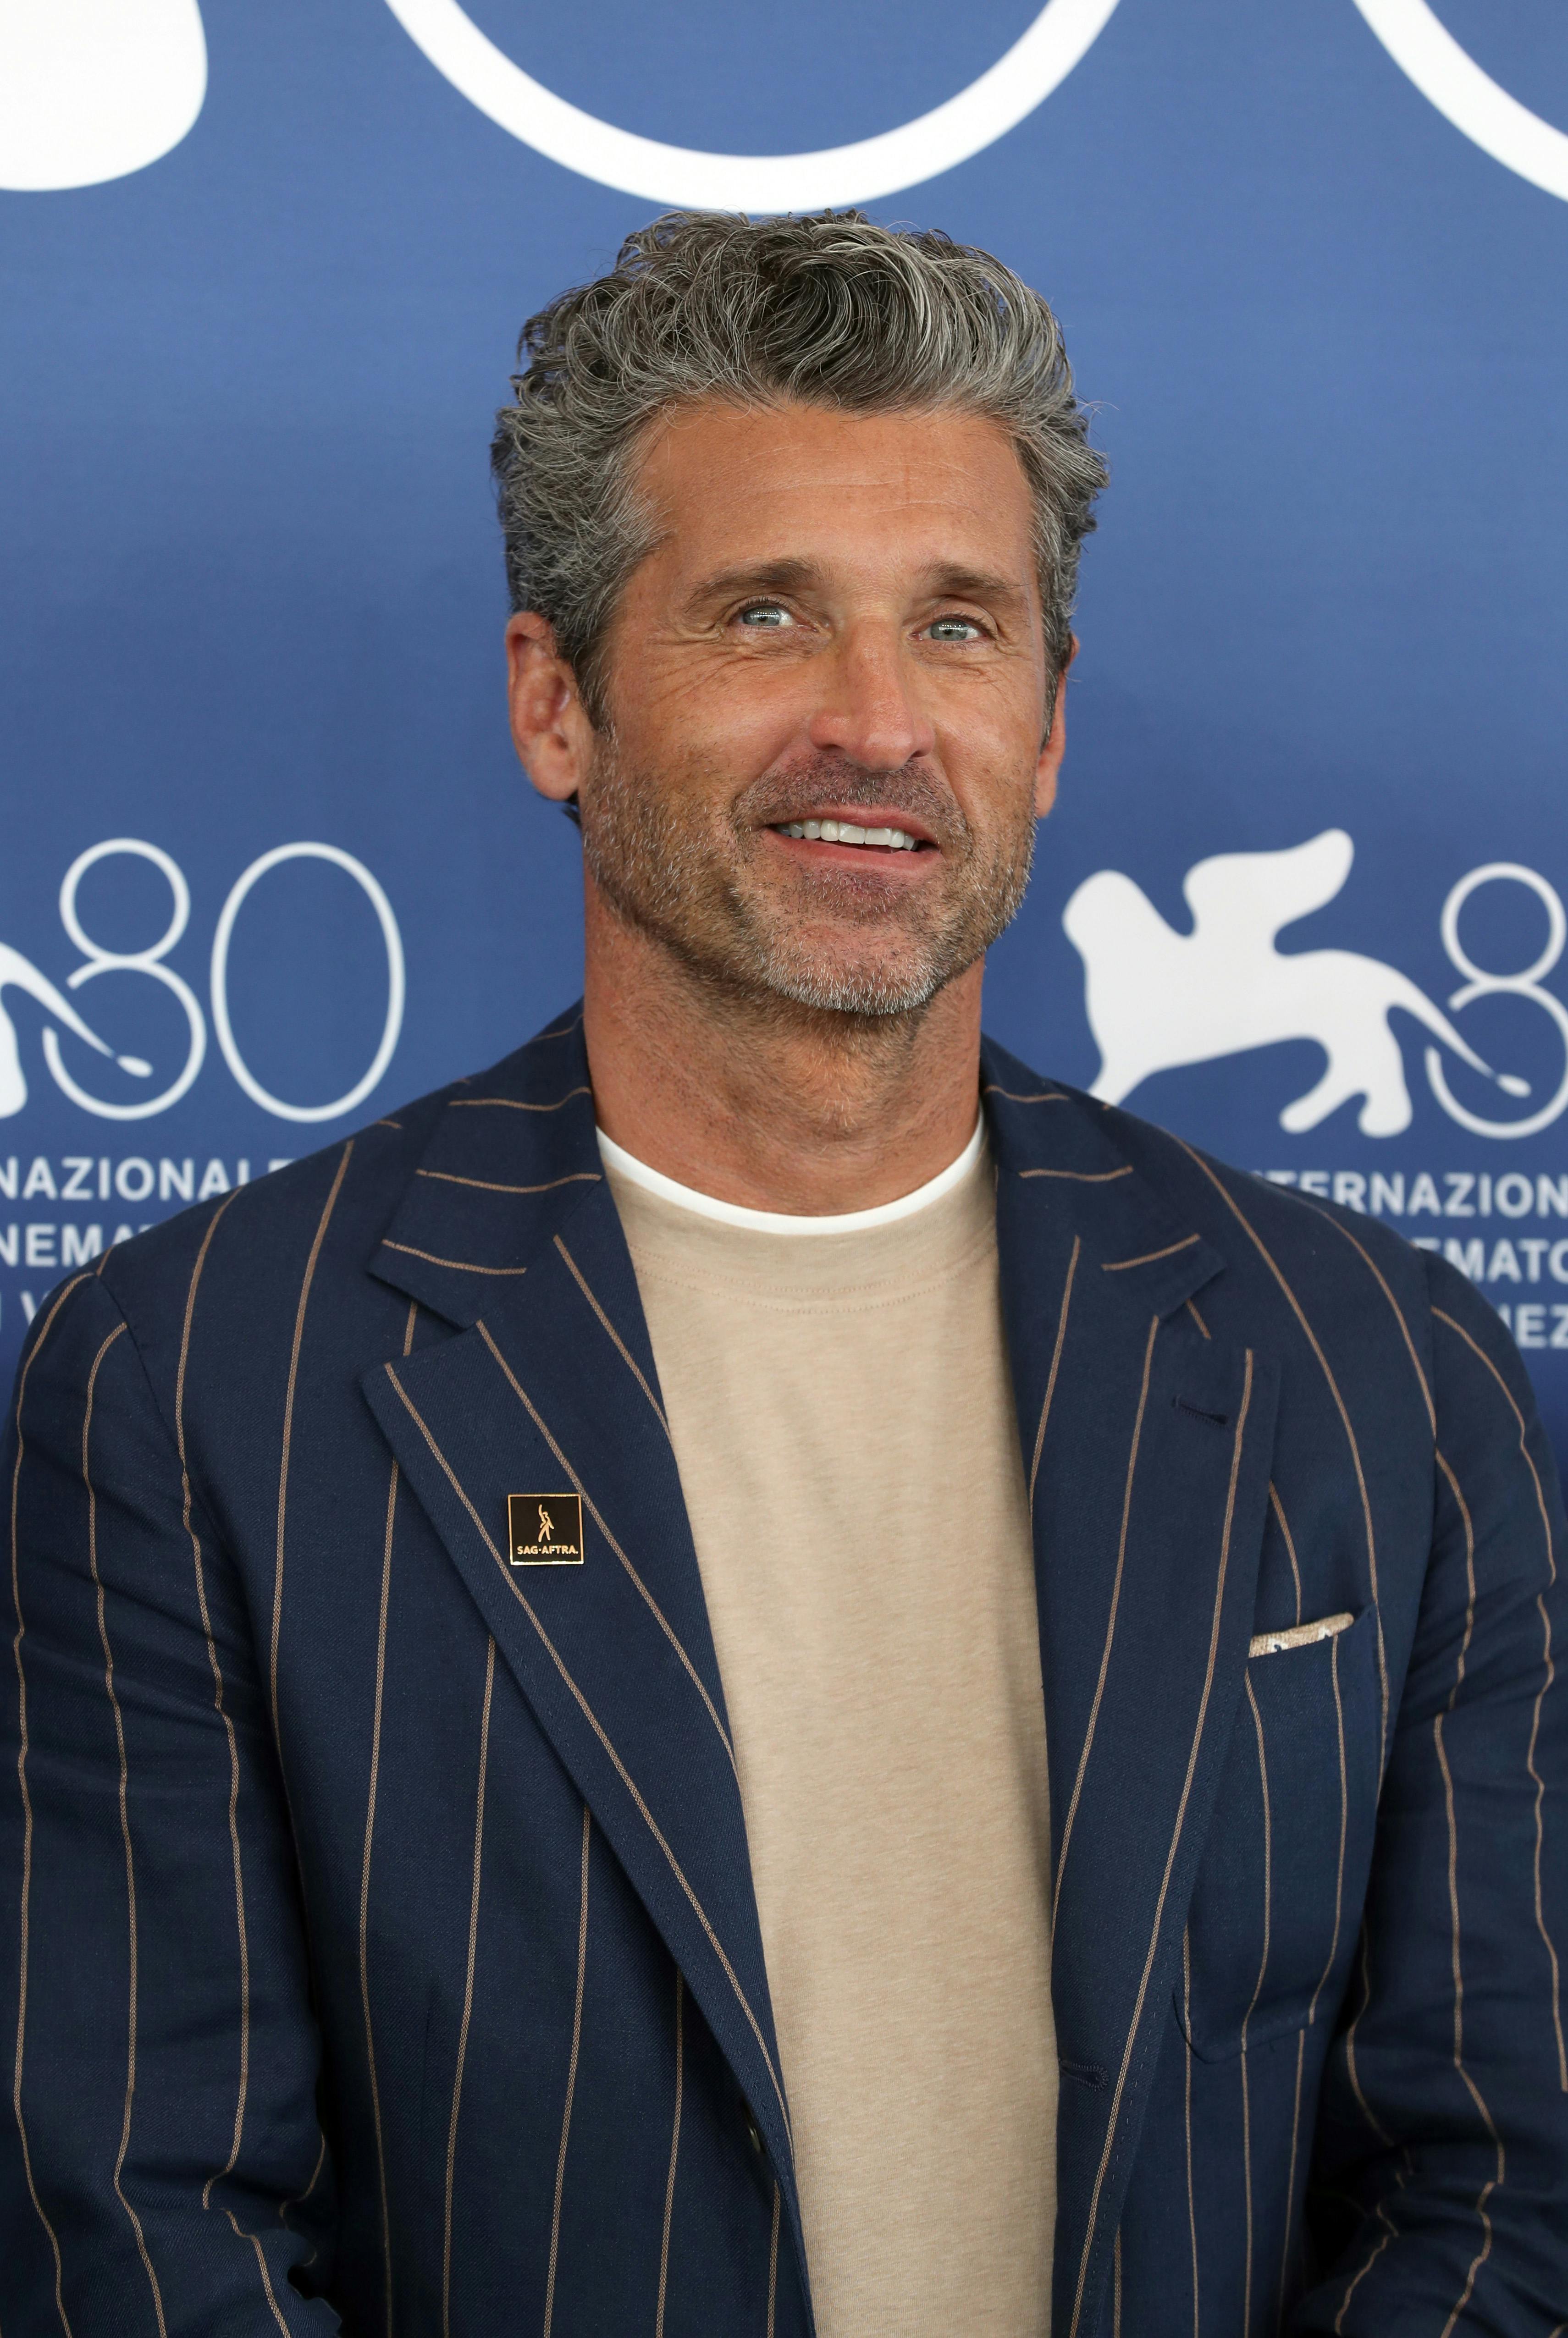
<point x="846" y="831"/>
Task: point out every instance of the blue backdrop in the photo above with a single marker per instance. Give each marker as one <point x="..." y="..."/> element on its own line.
<point x="260" y="273"/>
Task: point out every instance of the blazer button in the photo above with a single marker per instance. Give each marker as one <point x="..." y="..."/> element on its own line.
<point x="754" y="2132"/>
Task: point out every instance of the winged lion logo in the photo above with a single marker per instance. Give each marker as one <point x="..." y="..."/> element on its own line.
<point x="1157" y="999"/>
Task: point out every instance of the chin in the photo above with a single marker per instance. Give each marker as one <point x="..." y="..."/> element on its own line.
<point x="862" y="991"/>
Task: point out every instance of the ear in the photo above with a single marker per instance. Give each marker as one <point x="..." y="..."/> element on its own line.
<point x="1055" y="747"/>
<point x="550" y="727"/>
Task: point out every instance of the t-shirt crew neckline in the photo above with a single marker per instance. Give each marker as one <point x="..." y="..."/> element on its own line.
<point x="626" y="1164"/>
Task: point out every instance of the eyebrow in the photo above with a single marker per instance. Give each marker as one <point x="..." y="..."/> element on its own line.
<point x="975" y="584"/>
<point x="790" y="575"/>
<point x="942" y="580"/>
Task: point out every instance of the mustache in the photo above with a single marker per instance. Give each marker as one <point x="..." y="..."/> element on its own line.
<point x="795" y="793"/>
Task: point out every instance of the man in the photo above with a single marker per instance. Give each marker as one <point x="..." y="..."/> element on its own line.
<point x="759" y="1673"/>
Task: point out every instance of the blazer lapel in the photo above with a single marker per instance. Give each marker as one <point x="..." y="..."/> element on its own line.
<point x="509" y="1230"/>
<point x="1146" y="1447"/>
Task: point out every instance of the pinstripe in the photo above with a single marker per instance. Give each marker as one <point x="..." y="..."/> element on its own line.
<point x="1256" y="1993"/>
<point x="1472" y="2089"/>
<point x="1290" y="2178"/>
<point x="1087" y="1746"/>
<point x="774" y="2265"/>
<point x="1376" y="1273"/>
<point x="1351" y="2072"/>
<point x="1187" y="2041"/>
<point x="488" y="1186"/>
<point x="1132" y="2026"/>
<point x="1339" y="1872"/>
<point x="1389" y="2234"/>
<point x="1148" y="1257"/>
<point x="1469" y="1526"/>
<point x="314" y="2250"/>
<point x="1333" y="1953"/>
<point x="265" y="2269"/>
<point x="299" y="2198"/>
<point x="1536" y="1779"/>
<point x="1297" y="1310"/>
<point x="626" y="1357"/>
<point x="468" y="1992"/>
<point x="309" y="1277"/>
<point x="222" y="1712"/>
<point x="591" y="1718"/>
<point x="571" y="2076"/>
<point x="27" y="1805"/>
<point x="1055" y="1367"/>
<point x="1277" y="1507"/>
<point x="459" y="1265"/>
<point x="514" y="1104"/>
<point x="1082" y="1176"/>
<point x="1040" y="1096"/>
<point x="370" y="1838"/>
<point x="1192" y="1311"/>
<point x="125" y="1825"/>
<point x="675" y="2152"/>
<point x="657" y="1613"/>
<point x="1116" y="2285"/>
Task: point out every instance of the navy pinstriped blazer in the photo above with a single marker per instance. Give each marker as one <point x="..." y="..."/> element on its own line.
<point x="378" y="1925"/>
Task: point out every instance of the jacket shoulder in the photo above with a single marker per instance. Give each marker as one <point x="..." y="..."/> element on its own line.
<point x="1251" y="1217"/>
<point x="361" y="1175"/>
<point x="1266" y="1233"/>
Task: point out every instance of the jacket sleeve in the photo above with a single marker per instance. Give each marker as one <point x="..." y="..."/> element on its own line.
<point x="163" y="2170"/>
<point x="1442" y="2163"/>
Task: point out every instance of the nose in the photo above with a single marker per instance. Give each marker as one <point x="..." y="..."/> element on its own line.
<point x="873" y="709"/>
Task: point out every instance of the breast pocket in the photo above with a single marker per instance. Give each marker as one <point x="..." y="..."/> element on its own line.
<point x="1272" y="1926"/>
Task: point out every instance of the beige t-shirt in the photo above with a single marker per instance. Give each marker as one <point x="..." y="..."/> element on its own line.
<point x="843" y="1419"/>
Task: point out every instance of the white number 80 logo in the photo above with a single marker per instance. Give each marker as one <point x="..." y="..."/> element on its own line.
<point x="150" y="961"/>
<point x="1525" y="984"/>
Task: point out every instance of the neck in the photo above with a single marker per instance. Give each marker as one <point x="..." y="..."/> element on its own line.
<point x="767" y="1104"/>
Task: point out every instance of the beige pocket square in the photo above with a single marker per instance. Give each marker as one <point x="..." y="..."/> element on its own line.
<point x="1298" y="1635"/>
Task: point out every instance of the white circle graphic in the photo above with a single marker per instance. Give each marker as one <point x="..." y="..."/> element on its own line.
<point x="1452" y="81"/>
<point x="396" y="980"/>
<point x="935" y="142"/>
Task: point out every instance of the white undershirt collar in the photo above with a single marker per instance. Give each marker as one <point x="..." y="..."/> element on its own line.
<point x="784" y="1222"/>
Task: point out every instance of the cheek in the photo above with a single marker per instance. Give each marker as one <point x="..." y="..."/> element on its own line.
<point x="994" y="713"/>
<point x="728" y="722"/>
<point x="990" y="747"/>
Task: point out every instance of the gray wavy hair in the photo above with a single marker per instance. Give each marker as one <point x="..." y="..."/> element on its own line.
<point x="829" y="310"/>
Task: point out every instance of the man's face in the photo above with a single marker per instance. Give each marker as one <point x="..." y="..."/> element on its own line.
<point x="840" y="623"/>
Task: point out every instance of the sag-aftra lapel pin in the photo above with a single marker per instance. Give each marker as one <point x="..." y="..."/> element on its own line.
<point x="545" y="1529"/>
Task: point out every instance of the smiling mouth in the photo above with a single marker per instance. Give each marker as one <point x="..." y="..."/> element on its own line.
<point x="847" y="832"/>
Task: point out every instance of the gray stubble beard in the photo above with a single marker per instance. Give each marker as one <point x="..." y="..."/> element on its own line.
<point x="681" y="890"/>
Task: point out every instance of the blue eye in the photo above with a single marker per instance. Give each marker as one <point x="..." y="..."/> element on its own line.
<point x="765" y="617"/>
<point x="953" y="629"/>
